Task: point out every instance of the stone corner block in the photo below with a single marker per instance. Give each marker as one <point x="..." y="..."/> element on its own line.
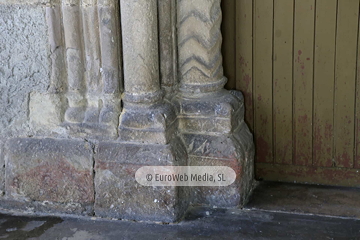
<point x="50" y="175"/>
<point x="235" y="150"/>
<point x="118" y="195"/>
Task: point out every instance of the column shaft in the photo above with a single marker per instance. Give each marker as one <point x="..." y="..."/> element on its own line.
<point x="199" y="45"/>
<point x="140" y="49"/>
<point x="74" y="60"/>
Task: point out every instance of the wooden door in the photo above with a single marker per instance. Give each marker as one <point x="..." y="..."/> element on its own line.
<point x="296" y="62"/>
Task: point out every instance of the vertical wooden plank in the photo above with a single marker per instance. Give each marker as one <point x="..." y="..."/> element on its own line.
<point x="244" y="58"/>
<point x="228" y="46"/>
<point x="282" y="78"/>
<point x="263" y="35"/>
<point x="303" y="81"/>
<point x="345" y="70"/>
<point x="357" y="105"/>
<point x="323" y="142"/>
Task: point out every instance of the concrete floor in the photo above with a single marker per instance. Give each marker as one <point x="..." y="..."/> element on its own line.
<point x="261" y="219"/>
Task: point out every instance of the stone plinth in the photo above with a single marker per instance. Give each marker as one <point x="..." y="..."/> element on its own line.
<point x="118" y="195"/>
<point x="215" y="134"/>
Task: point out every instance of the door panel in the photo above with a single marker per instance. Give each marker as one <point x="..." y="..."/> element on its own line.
<point x="296" y="62"/>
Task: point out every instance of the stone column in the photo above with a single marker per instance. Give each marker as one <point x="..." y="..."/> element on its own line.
<point x="92" y="37"/>
<point x="147" y="129"/>
<point x="74" y="61"/>
<point x="211" y="119"/>
<point x="168" y="46"/>
<point x="199" y="46"/>
<point x="110" y="38"/>
<point x="92" y="61"/>
<point x="140" y="49"/>
<point x="146" y="117"/>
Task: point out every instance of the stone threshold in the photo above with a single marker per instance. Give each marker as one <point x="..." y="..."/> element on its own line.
<point x="343" y="202"/>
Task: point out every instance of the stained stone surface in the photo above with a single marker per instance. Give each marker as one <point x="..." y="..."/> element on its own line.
<point x="211" y="119"/>
<point x="118" y="194"/>
<point x="56" y="174"/>
<point x="207" y="150"/>
<point x="168" y="46"/>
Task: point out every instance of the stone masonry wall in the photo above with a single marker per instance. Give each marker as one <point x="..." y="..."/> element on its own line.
<point x="74" y="126"/>
<point x="24" y="64"/>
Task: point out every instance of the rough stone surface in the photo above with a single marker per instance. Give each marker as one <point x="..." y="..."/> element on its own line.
<point x="211" y="119"/>
<point x="92" y="43"/>
<point x="51" y="173"/>
<point x="2" y="169"/>
<point x="217" y="113"/>
<point x="226" y="150"/>
<point x="214" y="133"/>
<point x="149" y="124"/>
<point x="46" y="111"/>
<point x="118" y="194"/>
<point x="24" y="64"/>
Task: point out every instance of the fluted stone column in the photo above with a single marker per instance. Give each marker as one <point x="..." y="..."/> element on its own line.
<point x="93" y="64"/>
<point x="211" y="119"/>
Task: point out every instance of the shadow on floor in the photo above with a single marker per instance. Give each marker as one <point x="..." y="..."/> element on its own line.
<point x="261" y="219"/>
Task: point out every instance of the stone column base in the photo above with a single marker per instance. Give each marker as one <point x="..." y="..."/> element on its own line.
<point x="215" y="134"/>
<point x="227" y="150"/>
<point x="148" y="124"/>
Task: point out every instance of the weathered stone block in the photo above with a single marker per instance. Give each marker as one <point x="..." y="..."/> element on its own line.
<point x="215" y="134"/>
<point x="217" y="112"/>
<point x="225" y="150"/>
<point x="46" y="110"/>
<point x="153" y="124"/>
<point x="118" y="194"/>
<point x="57" y="174"/>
